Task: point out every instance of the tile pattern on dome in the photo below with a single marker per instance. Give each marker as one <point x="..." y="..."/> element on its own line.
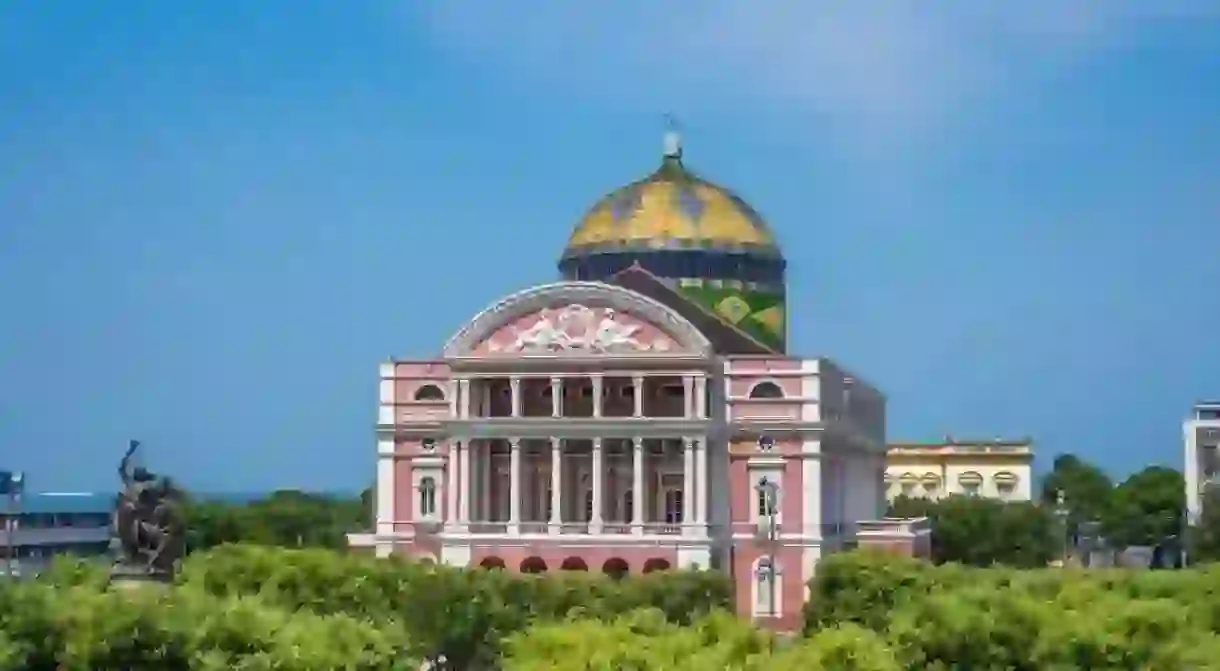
<point x="759" y="313"/>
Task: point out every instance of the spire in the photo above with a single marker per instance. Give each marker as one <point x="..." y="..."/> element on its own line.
<point x="672" y="144"/>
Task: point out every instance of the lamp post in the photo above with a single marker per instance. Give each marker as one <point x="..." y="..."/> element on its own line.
<point x="1062" y="512"/>
<point x="768" y="492"/>
<point x="11" y="484"/>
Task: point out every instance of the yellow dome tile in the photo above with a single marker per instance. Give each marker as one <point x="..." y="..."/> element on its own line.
<point x="671" y="207"/>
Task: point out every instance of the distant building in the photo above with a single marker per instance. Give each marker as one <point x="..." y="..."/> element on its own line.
<point x="1201" y="432"/>
<point x="43" y="526"/>
<point x="1001" y="469"/>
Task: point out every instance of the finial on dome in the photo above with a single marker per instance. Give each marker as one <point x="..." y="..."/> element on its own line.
<point x="672" y="144"/>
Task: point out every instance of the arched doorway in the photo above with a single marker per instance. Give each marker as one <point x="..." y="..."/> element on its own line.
<point x="574" y="564"/>
<point x="492" y="563"/>
<point x="616" y="568"/>
<point x="533" y="565"/>
<point x="656" y="564"/>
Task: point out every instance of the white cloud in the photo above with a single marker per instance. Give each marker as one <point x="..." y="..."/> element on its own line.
<point x="879" y="70"/>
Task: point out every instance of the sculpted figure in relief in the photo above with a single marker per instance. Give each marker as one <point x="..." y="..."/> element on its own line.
<point x="576" y="328"/>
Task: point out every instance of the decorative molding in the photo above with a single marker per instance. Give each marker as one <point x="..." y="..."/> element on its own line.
<point x="581" y="294"/>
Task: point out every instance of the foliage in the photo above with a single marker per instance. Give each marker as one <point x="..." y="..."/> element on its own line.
<point x="981" y="531"/>
<point x="1086" y="489"/>
<point x="950" y="616"/>
<point x="1205" y="536"/>
<point x="644" y="640"/>
<point x="287" y="518"/>
<point x="84" y="626"/>
<point x="1146" y="508"/>
<point x="241" y="607"/>
<point x="456" y="614"/>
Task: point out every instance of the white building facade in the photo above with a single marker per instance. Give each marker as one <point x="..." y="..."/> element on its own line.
<point x="1201" y="436"/>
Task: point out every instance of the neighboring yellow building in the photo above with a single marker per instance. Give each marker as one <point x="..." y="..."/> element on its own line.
<point x="994" y="468"/>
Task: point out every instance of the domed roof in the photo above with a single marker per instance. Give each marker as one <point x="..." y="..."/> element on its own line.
<point x="671" y="209"/>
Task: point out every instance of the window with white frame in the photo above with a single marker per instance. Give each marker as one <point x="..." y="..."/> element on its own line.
<point x="427" y="497"/>
<point x="673" y="506"/>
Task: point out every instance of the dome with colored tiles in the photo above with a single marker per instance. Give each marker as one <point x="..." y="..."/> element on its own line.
<point x="700" y="238"/>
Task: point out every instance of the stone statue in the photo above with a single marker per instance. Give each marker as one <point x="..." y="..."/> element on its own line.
<point x="147" y="522"/>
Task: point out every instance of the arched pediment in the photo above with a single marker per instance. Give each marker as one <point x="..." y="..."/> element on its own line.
<point x="582" y="318"/>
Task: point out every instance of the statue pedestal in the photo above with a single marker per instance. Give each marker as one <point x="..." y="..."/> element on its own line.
<point x="127" y="577"/>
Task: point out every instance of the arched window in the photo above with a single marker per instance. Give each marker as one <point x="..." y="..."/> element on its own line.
<point x="427" y="497"/>
<point x="766" y="390"/>
<point x="429" y="392"/>
<point x="768" y="588"/>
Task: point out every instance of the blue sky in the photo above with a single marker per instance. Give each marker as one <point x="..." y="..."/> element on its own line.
<point x="217" y="218"/>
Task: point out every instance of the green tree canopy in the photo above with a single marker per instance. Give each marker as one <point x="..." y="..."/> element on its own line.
<point x="982" y="532"/>
<point x="1146" y="508"/>
<point x="287" y="518"/>
<point x="1086" y="489"/>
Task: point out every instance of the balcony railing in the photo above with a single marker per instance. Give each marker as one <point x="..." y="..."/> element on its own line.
<point x="572" y="528"/>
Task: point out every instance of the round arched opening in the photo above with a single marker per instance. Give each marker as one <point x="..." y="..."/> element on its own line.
<point x="574" y="564"/>
<point x="656" y="564"/>
<point x="766" y="390"/>
<point x="429" y="392"/>
<point x="492" y="563"/>
<point x="533" y="565"/>
<point x="616" y="568"/>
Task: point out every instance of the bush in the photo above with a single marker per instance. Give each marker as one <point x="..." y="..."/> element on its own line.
<point x="456" y="615"/>
<point x="644" y="641"/>
<point x="44" y="626"/>
<point x="943" y="617"/>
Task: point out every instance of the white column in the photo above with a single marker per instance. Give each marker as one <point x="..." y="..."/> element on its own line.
<point x="701" y="490"/>
<point x="1194" y="480"/>
<point x="451" y="484"/>
<point x="464" y="494"/>
<point x="637" y="486"/>
<point x="595" y="524"/>
<point x="597" y="395"/>
<point x="485" y="476"/>
<point x="556" y="397"/>
<point x="688" y="484"/>
<point x="701" y="397"/>
<point x="464" y="398"/>
<point x="556" y="484"/>
<point x="637" y="384"/>
<point x="453" y="398"/>
<point x="514" y="486"/>
<point x="514" y="383"/>
<point x="688" y="396"/>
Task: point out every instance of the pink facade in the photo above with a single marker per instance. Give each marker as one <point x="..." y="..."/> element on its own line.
<point x="584" y="426"/>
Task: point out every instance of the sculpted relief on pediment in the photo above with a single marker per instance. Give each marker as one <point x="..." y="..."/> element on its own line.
<point x="579" y="329"/>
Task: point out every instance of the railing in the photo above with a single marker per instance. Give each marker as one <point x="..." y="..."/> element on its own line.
<point x="488" y="527"/>
<point x="61" y="535"/>
<point x="576" y="528"/>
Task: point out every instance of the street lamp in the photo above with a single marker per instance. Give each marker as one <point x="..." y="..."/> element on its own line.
<point x="768" y="493"/>
<point x="12" y="484"/>
<point x="1062" y="512"/>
